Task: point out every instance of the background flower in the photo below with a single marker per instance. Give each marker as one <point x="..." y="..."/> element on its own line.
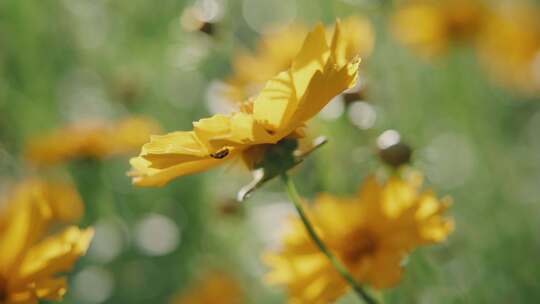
<point x="32" y="261"/>
<point x="513" y="34"/>
<point x="431" y="27"/>
<point x="371" y="234"/>
<point x="91" y="139"/>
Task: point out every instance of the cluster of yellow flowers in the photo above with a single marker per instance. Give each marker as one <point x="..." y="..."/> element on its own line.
<point x="31" y="259"/>
<point x="506" y="35"/>
<point x="277" y="90"/>
<point x="34" y="253"/>
<point x="370" y="234"/>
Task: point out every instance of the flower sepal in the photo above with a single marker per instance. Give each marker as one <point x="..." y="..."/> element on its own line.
<point x="278" y="159"/>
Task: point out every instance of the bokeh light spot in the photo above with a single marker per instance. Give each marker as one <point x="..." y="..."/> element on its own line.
<point x="269" y="16"/>
<point x="362" y="115"/>
<point x="109" y="240"/>
<point x="269" y="219"/>
<point x="157" y="235"/>
<point x="216" y="102"/>
<point x="334" y="109"/>
<point x="93" y="285"/>
<point x="450" y="160"/>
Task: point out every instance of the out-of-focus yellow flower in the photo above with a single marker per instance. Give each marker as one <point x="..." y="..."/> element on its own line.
<point x="216" y="287"/>
<point x="275" y="52"/>
<point x="509" y="47"/>
<point x="318" y="73"/>
<point x="62" y="198"/>
<point x="430" y="27"/>
<point x="91" y="139"/>
<point x="370" y="233"/>
<point x="31" y="262"/>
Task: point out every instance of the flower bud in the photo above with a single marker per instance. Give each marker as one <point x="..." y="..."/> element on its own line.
<point x="392" y="150"/>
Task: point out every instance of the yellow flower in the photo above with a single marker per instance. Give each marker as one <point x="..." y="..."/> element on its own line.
<point x="371" y="234"/>
<point x="61" y="198"/>
<point x="429" y="27"/>
<point x="510" y="47"/>
<point x="90" y="139"/>
<point x="30" y="261"/>
<point x="215" y="287"/>
<point x="275" y="52"/>
<point x="318" y="73"/>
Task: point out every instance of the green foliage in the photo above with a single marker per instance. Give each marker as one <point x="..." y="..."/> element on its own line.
<point x="62" y="60"/>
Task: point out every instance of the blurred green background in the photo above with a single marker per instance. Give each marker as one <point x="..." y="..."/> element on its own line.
<point x="61" y="61"/>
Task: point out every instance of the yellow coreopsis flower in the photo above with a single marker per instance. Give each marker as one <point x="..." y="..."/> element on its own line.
<point x="31" y="262"/>
<point x="318" y="73"/>
<point x="430" y="26"/>
<point x="91" y="139"/>
<point x="509" y="47"/>
<point x="215" y="287"/>
<point x="371" y="234"/>
<point x="62" y="198"/>
<point x="276" y="51"/>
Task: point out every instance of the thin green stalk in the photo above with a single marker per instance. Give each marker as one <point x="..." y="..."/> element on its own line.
<point x="295" y="198"/>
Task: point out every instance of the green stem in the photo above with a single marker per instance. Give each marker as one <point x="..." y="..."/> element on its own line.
<point x="295" y="198"/>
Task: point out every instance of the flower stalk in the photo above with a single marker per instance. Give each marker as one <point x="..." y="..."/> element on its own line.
<point x="345" y="274"/>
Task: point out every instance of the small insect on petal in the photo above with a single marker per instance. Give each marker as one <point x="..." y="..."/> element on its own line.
<point x="220" y="154"/>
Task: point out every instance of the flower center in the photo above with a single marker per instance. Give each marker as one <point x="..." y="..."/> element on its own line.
<point x="463" y="22"/>
<point x="358" y="245"/>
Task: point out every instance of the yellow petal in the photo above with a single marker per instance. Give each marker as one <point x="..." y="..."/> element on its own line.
<point x="276" y="103"/>
<point x="167" y="150"/>
<point x="246" y="130"/>
<point x="22" y="297"/>
<point x="144" y="175"/>
<point x="324" y="86"/>
<point x="51" y="289"/>
<point x="54" y="255"/>
<point x="232" y="131"/>
<point x="215" y="127"/>
<point x="65" y="201"/>
<point x="397" y="196"/>
<point x="181" y="143"/>
<point x="312" y="57"/>
<point x="24" y="223"/>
